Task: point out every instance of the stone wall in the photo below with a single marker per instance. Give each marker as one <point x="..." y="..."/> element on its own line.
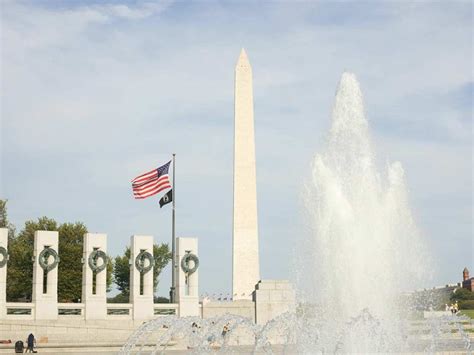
<point x="243" y="308"/>
<point x="68" y="331"/>
<point x="272" y="298"/>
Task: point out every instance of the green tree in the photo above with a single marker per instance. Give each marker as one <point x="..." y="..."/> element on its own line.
<point x="162" y="256"/>
<point x="70" y="243"/>
<point x="462" y="294"/>
<point x="122" y="272"/>
<point x="70" y="266"/>
<point x="464" y="297"/>
<point x="3" y="214"/>
<point x="20" y="264"/>
<point x="4" y="223"/>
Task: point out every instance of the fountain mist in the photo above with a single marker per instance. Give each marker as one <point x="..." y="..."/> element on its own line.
<point x="364" y="248"/>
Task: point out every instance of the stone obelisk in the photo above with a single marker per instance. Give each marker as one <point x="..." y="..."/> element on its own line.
<point x="245" y="260"/>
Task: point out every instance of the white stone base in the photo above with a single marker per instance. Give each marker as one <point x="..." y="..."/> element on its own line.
<point x="273" y="298"/>
<point x="187" y="288"/>
<point x="142" y="303"/>
<point x="243" y="308"/>
<point x="68" y="331"/>
<point x="46" y="304"/>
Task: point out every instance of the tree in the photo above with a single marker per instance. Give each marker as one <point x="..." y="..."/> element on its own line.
<point x="70" y="244"/>
<point x="20" y="264"/>
<point x="462" y="294"/>
<point x="3" y="214"/>
<point x="70" y="267"/>
<point x="162" y="256"/>
<point x="71" y="237"/>
<point x="4" y="223"/>
<point x="464" y="297"/>
<point x="161" y="299"/>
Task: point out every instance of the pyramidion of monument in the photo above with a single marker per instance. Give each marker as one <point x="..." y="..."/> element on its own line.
<point x="243" y="60"/>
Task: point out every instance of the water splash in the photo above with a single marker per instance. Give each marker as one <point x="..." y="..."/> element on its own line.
<point x="291" y="333"/>
<point x="224" y="334"/>
<point x="365" y="248"/>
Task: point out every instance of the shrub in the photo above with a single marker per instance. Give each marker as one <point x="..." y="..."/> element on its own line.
<point x="468" y="304"/>
<point x="462" y="294"/>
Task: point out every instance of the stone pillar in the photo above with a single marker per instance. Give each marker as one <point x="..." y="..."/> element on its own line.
<point x="46" y="303"/>
<point x="95" y="304"/>
<point x="272" y="298"/>
<point x="245" y="259"/>
<point x="3" y="272"/>
<point x="142" y="302"/>
<point x="187" y="292"/>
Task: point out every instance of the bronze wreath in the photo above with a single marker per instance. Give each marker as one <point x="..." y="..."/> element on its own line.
<point x="185" y="263"/>
<point x="140" y="261"/>
<point x="44" y="256"/>
<point x="4" y="254"/>
<point x="93" y="257"/>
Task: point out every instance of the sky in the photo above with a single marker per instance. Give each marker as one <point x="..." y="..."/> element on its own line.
<point x="95" y="93"/>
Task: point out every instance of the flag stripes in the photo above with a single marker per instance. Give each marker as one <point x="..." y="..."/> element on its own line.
<point x="152" y="182"/>
<point x="144" y="177"/>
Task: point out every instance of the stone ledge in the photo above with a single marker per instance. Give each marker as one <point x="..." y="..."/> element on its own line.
<point x="229" y="304"/>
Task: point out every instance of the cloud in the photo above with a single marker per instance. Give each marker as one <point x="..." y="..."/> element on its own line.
<point x="146" y="10"/>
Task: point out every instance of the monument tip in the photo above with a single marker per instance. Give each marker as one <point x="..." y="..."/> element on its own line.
<point x="243" y="59"/>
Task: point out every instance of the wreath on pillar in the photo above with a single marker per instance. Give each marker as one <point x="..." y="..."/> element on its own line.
<point x="185" y="263"/>
<point x="4" y="254"/>
<point x="140" y="261"/>
<point x="94" y="257"/>
<point x="44" y="257"/>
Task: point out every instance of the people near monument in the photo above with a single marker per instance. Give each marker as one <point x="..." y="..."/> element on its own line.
<point x="225" y="330"/>
<point x="31" y="342"/>
<point x="19" y="347"/>
<point x="194" y="341"/>
<point x="454" y="308"/>
<point x="446" y="308"/>
<point x="211" y="339"/>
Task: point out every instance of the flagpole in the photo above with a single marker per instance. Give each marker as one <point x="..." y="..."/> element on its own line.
<point x="173" y="236"/>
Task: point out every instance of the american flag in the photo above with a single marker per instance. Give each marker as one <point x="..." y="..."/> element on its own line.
<point x="152" y="182"/>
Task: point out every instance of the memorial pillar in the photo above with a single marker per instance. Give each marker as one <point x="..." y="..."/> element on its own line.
<point x="141" y="276"/>
<point x="3" y="271"/>
<point x="94" y="276"/>
<point x="45" y="275"/>
<point x="187" y="288"/>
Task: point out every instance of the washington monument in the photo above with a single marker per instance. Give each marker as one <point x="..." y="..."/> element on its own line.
<point x="245" y="260"/>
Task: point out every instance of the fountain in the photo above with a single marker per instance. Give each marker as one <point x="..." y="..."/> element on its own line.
<point x="364" y="248"/>
<point x="362" y="252"/>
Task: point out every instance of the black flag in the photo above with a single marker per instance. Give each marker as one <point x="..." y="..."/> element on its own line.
<point x="167" y="198"/>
